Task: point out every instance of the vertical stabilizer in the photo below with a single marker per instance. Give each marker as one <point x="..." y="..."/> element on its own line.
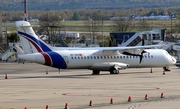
<point x="30" y="42"/>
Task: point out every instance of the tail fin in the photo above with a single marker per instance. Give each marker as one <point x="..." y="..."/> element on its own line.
<point x="172" y="15"/>
<point x="30" y="42"/>
<point x="132" y="16"/>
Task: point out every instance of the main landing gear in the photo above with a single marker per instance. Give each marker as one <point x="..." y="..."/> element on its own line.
<point x="95" y="72"/>
<point x="114" y="71"/>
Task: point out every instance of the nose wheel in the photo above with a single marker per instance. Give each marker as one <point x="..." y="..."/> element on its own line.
<point x="166" y="69"/>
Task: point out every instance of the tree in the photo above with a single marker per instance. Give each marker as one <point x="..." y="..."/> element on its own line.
<point x="93" y="25"/>
<point x="49" y="24"/>
<point x="83" y="39"/>
<point x="177" y="26"/>
<point x="122" y="25"/>
<point x="76" y="16"/>
<point x="1" y="38"/>
<point x="12" y="37"/>
<point x="144" y="25"/>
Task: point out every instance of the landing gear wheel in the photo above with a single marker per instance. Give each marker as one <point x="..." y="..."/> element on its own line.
<point x="166" y="69"/>
<point x="114" y="71"/>
<point x="95" y="72"/>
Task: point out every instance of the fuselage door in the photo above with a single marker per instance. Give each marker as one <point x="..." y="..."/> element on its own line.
<point x="66" y="60"/>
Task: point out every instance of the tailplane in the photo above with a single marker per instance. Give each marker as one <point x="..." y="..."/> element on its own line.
<point x="30" y="42"/>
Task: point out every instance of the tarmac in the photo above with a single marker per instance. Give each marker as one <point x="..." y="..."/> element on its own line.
<point x="34" y="86"/>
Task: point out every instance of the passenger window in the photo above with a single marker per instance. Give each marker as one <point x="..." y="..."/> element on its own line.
<point x="88" y="57"/>
<point x="81" y="57"/>
<point x="71" y="57"/>
<point x="74" y="57"/>
<point x="97" y="57"/>
<point x="104" y="57"/>
<point x="84" y="57"/>
<point x="101" y="57"/>
<point x="118" y="57"/>
<point x="114" y="57"/>
<point x="78" y="57"/>
<point x="94" y="57"/>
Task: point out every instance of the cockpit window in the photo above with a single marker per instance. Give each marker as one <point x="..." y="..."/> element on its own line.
<point x="166" y="53"/>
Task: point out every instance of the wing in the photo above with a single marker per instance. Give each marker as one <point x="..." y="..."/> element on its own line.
<point x="132" y="51"/>
<point x="113" y="50"/>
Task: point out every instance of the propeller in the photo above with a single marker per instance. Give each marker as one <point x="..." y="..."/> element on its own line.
<point x="140" y="55"/>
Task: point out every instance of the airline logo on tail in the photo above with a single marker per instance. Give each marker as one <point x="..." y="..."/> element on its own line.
<point x="51" y="58"/>
<point x="40" y="46"/>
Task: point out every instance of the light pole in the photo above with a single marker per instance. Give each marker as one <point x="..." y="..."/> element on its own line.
<point x="47" y="16"/>
<point x="48" y="26"/>
<point x="65" y="24"/>
<point x="140" y="19"/>
<point x="25" y="11"/>
<point x="92" y="30"/>
<point x="140" y="13"/>
<point x="171" y="26"/>
<point x="103" y="31"/>
<point x="5" y="28"/>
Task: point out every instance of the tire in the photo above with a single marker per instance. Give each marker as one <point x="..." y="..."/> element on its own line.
<point x="95" y="72"/>
<point x="113" y="71"/>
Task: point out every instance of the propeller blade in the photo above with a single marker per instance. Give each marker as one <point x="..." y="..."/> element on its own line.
<point x="141" y="56"/>
<point x="140" y="59"/>
<point x="143" y="52"/>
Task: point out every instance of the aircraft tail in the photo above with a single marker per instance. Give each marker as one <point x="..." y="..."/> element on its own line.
<point x="30" y="42"/>
<point x="132" y="16"/>
<point x="172" y="15"/>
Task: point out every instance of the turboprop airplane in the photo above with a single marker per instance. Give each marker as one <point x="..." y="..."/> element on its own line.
<point x="98" y="59"/>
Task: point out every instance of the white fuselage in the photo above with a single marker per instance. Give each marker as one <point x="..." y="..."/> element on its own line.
<point x="84" y="59"/>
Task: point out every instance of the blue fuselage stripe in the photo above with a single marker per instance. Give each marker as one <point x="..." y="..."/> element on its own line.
<point x="57" y="59"/>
